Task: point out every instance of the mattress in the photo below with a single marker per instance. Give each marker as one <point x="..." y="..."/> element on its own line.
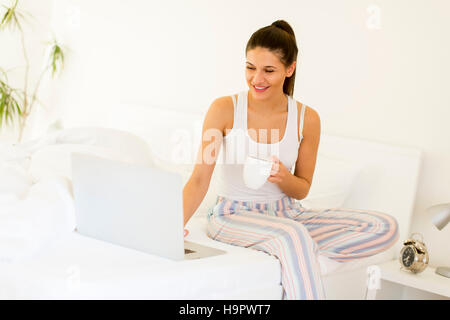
<point x="78" y="267"/>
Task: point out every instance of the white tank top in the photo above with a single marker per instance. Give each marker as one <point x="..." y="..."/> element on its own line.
<point x="237" y="144"/>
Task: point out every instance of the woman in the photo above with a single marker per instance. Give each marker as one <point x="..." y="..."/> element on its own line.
<point x="269" y="219"/>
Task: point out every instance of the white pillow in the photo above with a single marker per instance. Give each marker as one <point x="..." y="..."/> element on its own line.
<point x="133" y="146"/>
<point x="55" y="160"/>
<point x="332" y="182"/>
<point x="174" y="137"/>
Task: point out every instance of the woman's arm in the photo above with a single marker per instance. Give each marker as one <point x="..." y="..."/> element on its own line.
<point x="193" y="193"/>
<point x="212" y="135"/>
<point x="297" y="185"/>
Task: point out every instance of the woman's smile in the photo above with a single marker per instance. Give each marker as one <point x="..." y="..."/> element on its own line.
<point x="260" y="89"/>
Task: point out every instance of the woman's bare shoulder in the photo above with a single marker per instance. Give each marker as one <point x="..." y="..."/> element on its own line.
<point x="309" y="111"/>
<point x="224" y="104"/>
<point x="311" y="121"/>
<point x="221" y="112"/>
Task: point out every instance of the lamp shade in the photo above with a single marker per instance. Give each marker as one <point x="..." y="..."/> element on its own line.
<point x="440" y="215"/>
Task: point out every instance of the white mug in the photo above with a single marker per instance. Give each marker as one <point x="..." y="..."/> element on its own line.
<point x="256" y="172"/>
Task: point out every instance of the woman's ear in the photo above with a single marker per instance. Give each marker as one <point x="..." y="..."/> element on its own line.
<point x="291" y="69"/>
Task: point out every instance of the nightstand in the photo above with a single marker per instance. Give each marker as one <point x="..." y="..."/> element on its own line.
<point x="387" y="281"/>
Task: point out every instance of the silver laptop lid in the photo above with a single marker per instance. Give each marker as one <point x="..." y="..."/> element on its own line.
<point x="130" y="205"/>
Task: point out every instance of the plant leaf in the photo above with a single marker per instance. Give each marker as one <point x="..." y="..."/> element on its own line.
<point x="10" y="18"/>
<point x="56" y="58"/>
<point x="6" y="18"/>
<point x="10" y="101"/>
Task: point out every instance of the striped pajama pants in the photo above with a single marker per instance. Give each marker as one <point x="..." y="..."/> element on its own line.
<point x="296" y="236"/>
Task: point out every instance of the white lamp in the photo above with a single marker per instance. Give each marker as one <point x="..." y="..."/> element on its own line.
<point x="440" y="216"/>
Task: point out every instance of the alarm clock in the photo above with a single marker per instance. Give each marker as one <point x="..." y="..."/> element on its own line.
<point x="414" y="254"/>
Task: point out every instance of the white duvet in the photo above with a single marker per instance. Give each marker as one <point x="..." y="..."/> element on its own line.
<point x="36" y="201"/>
<point x="27" y="225"/>
<point x="32" y="213"/>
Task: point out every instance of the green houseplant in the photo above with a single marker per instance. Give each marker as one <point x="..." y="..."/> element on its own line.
<point x="16" y="104"/>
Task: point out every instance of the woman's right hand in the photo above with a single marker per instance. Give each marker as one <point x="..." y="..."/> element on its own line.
<point x="186" y="232"/>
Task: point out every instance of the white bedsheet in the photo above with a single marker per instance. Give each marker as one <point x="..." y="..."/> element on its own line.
<point x="77" y="267"/>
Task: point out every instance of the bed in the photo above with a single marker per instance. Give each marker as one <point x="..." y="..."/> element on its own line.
<point x="58" y="263"/>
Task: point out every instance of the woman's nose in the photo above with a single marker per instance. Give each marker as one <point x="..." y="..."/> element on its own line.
<point x="258" y="78"/>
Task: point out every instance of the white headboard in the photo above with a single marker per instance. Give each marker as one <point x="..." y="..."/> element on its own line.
<point x="388" y="180"/>
<point x="387" y="183"/>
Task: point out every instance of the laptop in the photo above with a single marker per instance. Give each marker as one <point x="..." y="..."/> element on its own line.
<point x="133" y="206"/>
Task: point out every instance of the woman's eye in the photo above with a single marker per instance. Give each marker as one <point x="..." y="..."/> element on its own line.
<point x="254" y="69"/>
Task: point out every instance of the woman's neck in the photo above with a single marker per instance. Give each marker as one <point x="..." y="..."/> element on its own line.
<point x="272" y="104"/>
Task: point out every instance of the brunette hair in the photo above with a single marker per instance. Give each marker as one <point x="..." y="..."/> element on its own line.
<point x="280" y="39"/>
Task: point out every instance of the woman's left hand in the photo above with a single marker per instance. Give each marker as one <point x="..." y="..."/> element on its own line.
<point x="279" y="172"/>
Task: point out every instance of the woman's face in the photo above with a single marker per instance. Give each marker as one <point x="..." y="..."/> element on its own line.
<point x="265" y="70"/>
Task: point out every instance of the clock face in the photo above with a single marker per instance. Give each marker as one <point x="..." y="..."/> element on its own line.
<point x="408" y="256"/>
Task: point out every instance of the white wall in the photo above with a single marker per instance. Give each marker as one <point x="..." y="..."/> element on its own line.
<point x="373" y="69"/>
